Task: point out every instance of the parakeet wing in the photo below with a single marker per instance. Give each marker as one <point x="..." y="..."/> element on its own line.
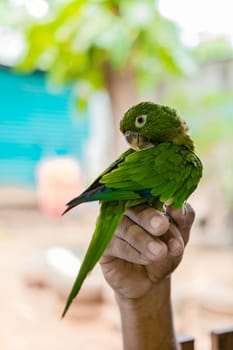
<point x="167" y="171"/>
<point x="97" y="190"/>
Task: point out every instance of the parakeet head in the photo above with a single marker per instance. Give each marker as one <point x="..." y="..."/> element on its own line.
<point x="147" y="124"/>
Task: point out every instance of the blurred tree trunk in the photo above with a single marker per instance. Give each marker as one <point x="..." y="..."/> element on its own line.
<point x="123" y="94"/>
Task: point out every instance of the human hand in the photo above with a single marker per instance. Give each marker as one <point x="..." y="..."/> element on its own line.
<point x="146" y="248"/>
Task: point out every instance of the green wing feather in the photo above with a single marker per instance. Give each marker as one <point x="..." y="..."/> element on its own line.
<point x="111" y="167"/>
<point x="108" y="220"/>
<point x="92" y="193"/>
<point x="169" y="171"/>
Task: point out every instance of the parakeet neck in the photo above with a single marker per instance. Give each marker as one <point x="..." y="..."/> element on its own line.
<point x="184" y="139"/>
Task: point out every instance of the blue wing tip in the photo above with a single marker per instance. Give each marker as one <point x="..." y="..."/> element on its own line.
<point x="66" y="210"/>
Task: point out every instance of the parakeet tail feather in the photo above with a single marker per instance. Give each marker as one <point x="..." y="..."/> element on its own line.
<point x="108" y="220"/>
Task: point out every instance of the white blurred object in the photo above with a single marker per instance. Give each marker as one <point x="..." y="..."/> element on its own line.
<point x="216" y="296"/>
<point x="100" y="142"/>
<point x="63" y="260"/>
<point x="198" y="19"/>
<point x="57" y="268"/>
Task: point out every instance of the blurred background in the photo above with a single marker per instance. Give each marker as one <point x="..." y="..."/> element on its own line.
<point x="68" y="71"/>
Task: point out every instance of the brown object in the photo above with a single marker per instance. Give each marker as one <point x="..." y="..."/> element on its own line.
<point x="222" y="339"/>
<point x="186" y="342"/>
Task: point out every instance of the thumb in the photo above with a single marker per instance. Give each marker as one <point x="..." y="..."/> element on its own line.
<point x="183" y="218"/>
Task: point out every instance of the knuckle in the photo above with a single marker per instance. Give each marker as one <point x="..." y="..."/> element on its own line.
<point x="126" y="250"/>
<point x="135" y="211"/>
<point x="134" y="233"/>
<point x="124" y="226"/>
<point x="145" y="213"/>
<point x="145" y="216"/>
<point x="141" y="213"/>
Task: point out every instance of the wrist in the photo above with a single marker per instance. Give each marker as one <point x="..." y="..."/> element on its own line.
<point x="147" y="321"/>
<point x="158" y="294"/>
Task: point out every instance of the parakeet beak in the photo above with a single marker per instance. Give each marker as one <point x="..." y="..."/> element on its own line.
<point x="137" y="141"/>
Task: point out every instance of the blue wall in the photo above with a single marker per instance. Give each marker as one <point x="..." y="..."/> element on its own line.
<point x="35" y="123"/>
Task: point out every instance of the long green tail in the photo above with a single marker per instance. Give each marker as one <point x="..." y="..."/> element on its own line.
<point x="110" y="216"/>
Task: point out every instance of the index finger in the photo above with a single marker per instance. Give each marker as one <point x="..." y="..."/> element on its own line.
<point x="151" y="220"/>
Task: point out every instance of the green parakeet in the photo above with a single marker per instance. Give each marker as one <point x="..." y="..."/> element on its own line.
<point x="160" y="167"/>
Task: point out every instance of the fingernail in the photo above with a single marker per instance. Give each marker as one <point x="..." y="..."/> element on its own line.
<point x="184" y="210"/>
<point x="155" y="222"/>
<point x="175" y="247"/>
<point x="155" y="248"/>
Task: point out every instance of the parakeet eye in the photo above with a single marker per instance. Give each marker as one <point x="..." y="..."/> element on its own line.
<point x="140" y="121"/>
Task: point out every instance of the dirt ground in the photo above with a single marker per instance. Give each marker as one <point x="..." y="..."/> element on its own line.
<point x="32" y="296"/>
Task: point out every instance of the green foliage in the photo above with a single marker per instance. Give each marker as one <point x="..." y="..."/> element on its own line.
<point x="86" y="35"/>
<point x="212" y="50"/>
<point x="209" y="113"/>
